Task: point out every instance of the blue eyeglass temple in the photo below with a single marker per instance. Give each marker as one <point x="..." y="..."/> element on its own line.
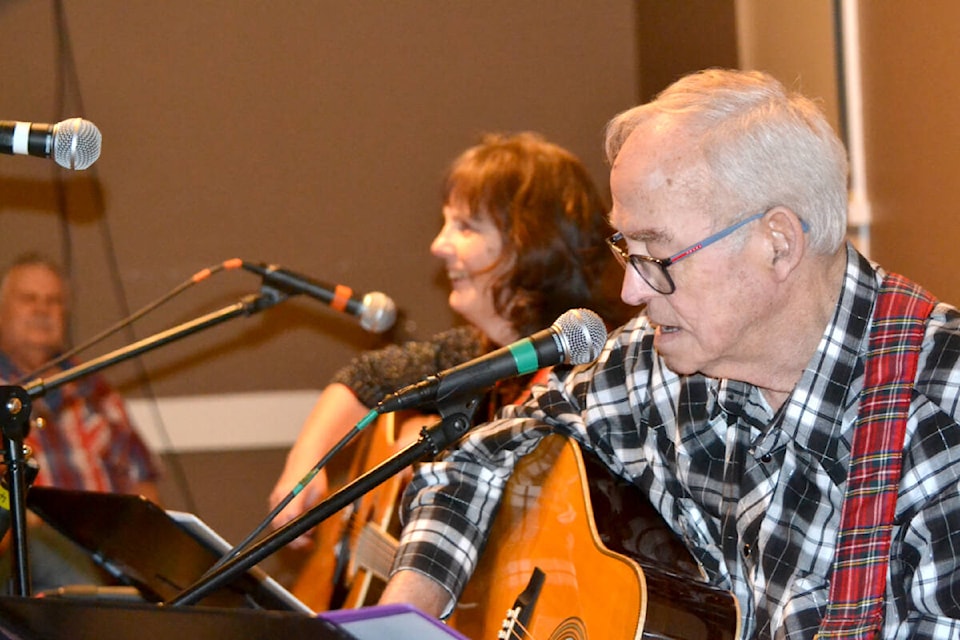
<point x="683" y="253"/>
<point x="666" y="262"/>
<point x="720" y="235"/>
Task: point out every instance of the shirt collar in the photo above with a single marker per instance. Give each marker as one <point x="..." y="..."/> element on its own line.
<point x="830" y="385"/>
<point x="831" y="382"/>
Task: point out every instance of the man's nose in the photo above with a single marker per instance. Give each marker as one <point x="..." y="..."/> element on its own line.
<point x="635" y="291"/>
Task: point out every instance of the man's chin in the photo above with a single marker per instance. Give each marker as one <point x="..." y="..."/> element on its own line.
<point x="679" y="361"/>
<point x="681" y="368"/>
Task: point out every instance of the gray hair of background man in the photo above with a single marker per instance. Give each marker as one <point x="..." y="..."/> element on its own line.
<point x="30" y="260"/>
<point x="765" y="146"/>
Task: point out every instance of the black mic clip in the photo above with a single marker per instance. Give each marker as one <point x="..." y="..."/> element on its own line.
<point x="270" y="295"/>
<point x="15" y="406"/>
<point x="456" y="413"/>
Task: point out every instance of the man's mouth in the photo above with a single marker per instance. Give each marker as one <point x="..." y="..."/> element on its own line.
<point x="665" y="328"/>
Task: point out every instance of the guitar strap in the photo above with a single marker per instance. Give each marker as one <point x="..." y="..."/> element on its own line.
<point x="858" y="583"/>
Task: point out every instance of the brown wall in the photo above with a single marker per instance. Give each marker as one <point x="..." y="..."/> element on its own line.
<point x="311" y="134"/>
<point x="308" y="133"/>
<point x="675" y="38"/>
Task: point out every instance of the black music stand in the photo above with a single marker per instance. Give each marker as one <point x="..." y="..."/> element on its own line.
<point x="143" y="546"/>
<point x="65" y="619"/>
<point x="15" y="404"/>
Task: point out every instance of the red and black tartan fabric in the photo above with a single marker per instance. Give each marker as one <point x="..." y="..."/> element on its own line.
<point x="858" y="585"/>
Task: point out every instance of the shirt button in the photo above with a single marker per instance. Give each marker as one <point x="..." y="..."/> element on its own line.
<point x="765" y="458"/>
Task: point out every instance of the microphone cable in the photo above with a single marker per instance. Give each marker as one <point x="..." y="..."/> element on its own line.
<point x="300" y="486"/>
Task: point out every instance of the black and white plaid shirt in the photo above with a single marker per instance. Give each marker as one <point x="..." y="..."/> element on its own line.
<point x="755" y="494"/>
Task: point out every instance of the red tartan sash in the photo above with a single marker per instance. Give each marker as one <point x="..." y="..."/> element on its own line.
<point x="858" y="585"/>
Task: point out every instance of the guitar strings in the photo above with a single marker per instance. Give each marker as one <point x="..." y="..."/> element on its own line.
<point x="524" y="631"/>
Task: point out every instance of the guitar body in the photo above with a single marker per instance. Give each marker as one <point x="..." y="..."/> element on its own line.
<point x="354" y="548"/>
<point x="616" y="573"/>
<point x="588" y="591"/>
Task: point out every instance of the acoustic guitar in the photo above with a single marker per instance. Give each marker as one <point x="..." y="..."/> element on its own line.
<point x="548" y="573"/>
<point x="354" y="549"/>
<point x="566" y="558"/>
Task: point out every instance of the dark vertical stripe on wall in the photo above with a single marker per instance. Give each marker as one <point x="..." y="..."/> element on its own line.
<point x="675" y="38"/>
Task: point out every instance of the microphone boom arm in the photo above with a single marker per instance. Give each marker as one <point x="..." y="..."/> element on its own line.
<point x="576" y="337"/>
<point x="247" y="306"/>
<point x="456" y="418"/>
<point x="14" y="418"/>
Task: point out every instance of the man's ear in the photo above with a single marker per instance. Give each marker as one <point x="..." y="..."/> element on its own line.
<point x="784" y="232"/>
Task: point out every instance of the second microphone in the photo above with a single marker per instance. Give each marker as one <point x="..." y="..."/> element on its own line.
<point x="376" y="311"/>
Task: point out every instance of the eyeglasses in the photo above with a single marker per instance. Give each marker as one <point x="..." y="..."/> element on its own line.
<point x="654" y="270"/>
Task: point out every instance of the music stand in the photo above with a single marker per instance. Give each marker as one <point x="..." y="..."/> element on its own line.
<point x="143" y="546"/>
<point x="67" y="619"/>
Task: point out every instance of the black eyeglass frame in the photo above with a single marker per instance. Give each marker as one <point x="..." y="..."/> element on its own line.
<point x="641" y="262"/>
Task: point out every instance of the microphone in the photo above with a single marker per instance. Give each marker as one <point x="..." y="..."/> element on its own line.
<point x="376" y="310"/>
<point x="73" y="143"/>
<point x="576" y="337"/>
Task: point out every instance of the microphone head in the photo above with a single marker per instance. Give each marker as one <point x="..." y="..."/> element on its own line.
<point x="76" y="143"/>
<point x="378" y="313"/>
<point x="582" y="333"/>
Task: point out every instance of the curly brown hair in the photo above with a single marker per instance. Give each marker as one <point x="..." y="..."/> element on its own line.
<point x="553" y="222"/>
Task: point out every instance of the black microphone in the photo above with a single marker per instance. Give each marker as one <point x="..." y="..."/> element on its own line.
<point x="576" y="337"/>
<point x="73" y="143"/>
<point x="376" y="310"/>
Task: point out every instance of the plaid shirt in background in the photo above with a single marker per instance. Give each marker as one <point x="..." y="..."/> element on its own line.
<point x="755" y="494"/>
<point x="88" y="442"/>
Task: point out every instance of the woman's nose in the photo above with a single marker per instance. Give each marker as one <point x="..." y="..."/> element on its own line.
<point x="440" y="247"/>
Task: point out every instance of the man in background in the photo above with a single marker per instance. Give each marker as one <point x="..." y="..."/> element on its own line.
<point x="87" y="441"/>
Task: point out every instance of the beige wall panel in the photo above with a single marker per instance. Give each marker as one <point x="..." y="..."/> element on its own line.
<point x="912" y="136"/>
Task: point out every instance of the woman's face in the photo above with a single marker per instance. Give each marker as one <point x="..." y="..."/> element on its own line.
<point x="470" y="247"/>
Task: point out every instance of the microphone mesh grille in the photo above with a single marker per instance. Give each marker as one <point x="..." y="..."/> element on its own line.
<point x="379" y="312"/>
<point x="76" y="143"/>
<point x="582" y="333"/>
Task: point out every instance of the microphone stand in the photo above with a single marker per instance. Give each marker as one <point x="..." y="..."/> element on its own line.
<point x="16" y="404"/>
<point x="15" y="425"/>
<point x="456" y="417"/>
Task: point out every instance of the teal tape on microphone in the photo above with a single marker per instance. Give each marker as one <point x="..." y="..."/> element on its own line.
<point x="525" y="355"/>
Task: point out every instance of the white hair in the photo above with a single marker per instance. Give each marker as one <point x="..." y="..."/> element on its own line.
<point x="763" y="145"/>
